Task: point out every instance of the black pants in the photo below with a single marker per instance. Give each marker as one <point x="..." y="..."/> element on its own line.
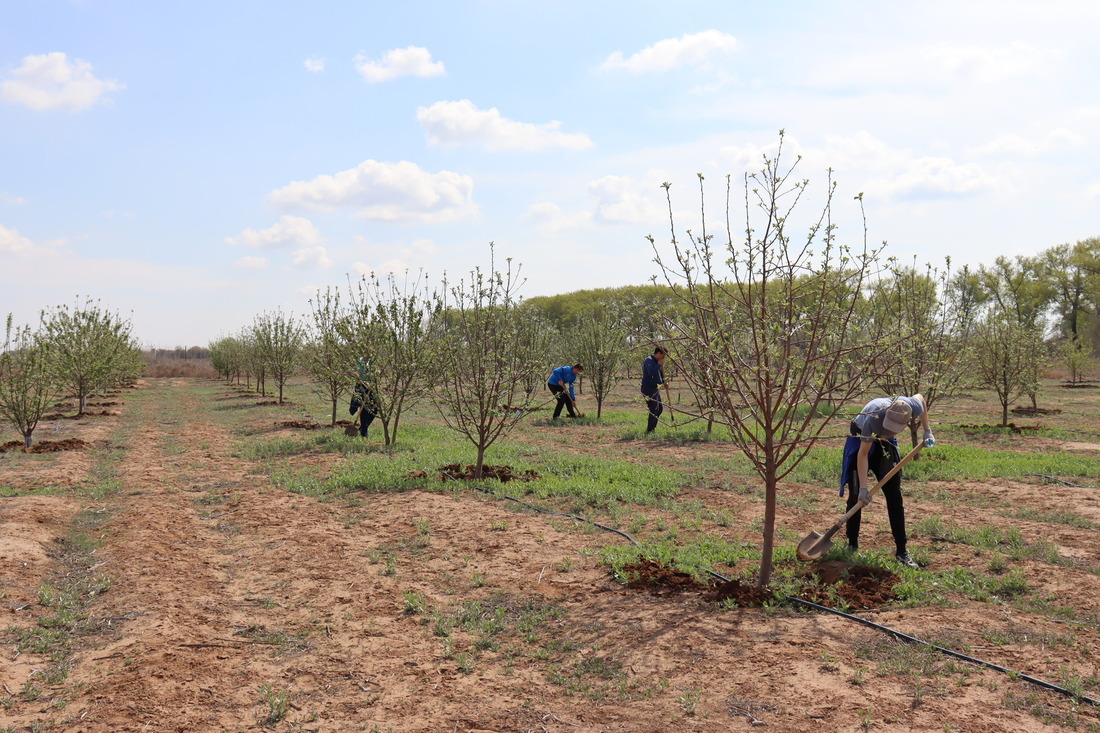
<point x="563" y="400"/>
<point x="880" y="462"/>
<point x="656" y="407"/>
<point x="364" y="398"/>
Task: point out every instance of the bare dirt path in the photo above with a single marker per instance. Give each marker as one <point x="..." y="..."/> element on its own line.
<point x="234" y="606"/>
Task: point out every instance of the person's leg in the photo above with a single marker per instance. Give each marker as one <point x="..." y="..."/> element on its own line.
<point x="851" y="528"/>
<point x="655" y="407"/>
<point x="557" y="391"/>
<point x="895" y="508"/>
<point x="365" y="419"/>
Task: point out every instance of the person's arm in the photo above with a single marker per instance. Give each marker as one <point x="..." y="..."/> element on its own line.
<point x="929" y="438"/>
<point x="862" y="467"/>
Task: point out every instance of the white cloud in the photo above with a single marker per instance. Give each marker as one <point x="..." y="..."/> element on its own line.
<point x="251" y="263"/>
<point x="549" y="218"/>
<point x="51" y="81"/>
<point x="939" y="67"/>
<point x="314" y="64"/>
<point x="409" y="61"/>
<point x="900" y="174"/>
<point x="1053" y="141"/>
<point x="15" y="243"/>
<point x="8" y="200"/>
<point x="1093" y="190"/>
<point x="462" y="123"/>
<point x="396" y="258"/>
<point x="384" y="191"/>
<point x="289" y="231"/>
<point x="693" y="49"/>
<point x="621" y="199"/>
<point x="309" y="257"/>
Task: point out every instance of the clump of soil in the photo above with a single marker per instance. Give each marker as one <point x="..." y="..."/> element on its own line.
<point x="303" y="424"/>
<point x="46" y="446"/>
<point x="861" y="586"/>
<point x="656" y="579"/>
<point x="743" y="594"/>
<point x="1018" y="429"/>
<point x="504" y="474"/>
<point x="1079" y="385"/>
<point x="1033" y="411"/>
<point x="100" y="404"/>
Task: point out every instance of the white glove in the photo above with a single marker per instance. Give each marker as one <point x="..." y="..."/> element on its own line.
<point x="929" y="439"/>
<point x="865" y="495"/>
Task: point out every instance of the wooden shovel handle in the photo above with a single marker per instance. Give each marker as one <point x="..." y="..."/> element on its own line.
<point x="889" y="475"/>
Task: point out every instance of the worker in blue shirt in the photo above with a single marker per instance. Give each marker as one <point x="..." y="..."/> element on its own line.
<point x="560" y="378"/>
<point x="653" y="376"/>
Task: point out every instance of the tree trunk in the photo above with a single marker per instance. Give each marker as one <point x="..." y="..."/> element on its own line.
<point x="27" y="439"/>
<point x="333" y="424"/>
<point x="480" y="462"/>
<point x="1004" y="414"/>
<point x="767" y="550"/>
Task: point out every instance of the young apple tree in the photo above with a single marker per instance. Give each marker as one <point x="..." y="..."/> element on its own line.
<point x="769" y="334"/>
<point x="278" y="343"/>
<point x="27" y="383"/>
<point x="486" y="354"/>
<point x="389" y="327"/>
<point x="91" y="348"/>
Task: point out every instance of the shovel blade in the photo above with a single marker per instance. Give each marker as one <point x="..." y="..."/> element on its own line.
<point x="813" y="546"/>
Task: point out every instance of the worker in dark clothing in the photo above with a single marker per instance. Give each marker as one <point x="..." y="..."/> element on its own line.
<point x="653" y="376"/>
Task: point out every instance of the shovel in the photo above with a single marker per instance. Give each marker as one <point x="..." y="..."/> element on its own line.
<point x="815" y="545"/>
<point x="353" y="429"/>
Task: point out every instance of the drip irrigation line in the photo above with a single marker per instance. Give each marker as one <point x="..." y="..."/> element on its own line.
<point x="818" y="607"/>
<point x="540" y="510"/>
<point x="1060" y="481"/>
<point x="942" y="650"/>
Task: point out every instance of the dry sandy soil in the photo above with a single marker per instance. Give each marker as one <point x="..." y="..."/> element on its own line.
<point x="233" y="605"/>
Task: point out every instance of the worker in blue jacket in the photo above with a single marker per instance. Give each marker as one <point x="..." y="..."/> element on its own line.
<point x="560" y="384"/>
<point x="653" y="376"/>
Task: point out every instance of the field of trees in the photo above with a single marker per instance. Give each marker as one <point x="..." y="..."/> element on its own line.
<point x="203" y="566"/>
<point x="216" y="553"/>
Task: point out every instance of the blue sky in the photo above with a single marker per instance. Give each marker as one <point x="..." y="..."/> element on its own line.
<point x="194" y="164"/>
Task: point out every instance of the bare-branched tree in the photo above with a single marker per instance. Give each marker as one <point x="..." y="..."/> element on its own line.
<point x="1007" y="357"/>
<point x="486" y="357"/>
<point x="768" y="335"/>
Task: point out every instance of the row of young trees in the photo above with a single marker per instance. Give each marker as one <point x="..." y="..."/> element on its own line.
<point x="72" y="351"/>
<point x="469" y="346"/>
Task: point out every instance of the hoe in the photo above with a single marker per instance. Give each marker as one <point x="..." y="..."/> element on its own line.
<point x="815" y="545"/>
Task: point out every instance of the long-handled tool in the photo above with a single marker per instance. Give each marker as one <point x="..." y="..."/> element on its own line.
<point x="353" y="429"/>
<point x="668" y="398"/>
<point x="815" y="545"/>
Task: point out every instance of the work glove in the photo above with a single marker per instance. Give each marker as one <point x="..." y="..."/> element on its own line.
<point x="929" y="439"/>
<point x="865" y="495"/>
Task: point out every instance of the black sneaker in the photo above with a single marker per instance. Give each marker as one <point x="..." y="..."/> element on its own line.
<point x="904" y="559"/>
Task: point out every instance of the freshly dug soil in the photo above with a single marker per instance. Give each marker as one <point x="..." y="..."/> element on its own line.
<point x="46" y="446"/>
<point x="504" y="474"/>
<point x="659" y="580"/>
<point x="302" y="424"/>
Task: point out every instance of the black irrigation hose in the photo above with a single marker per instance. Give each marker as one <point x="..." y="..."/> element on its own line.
<point x="1058" y="480"/>
<point x="540" y="510"/>
<point x="817" y="606"/>
<point x="958" y="655"/>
